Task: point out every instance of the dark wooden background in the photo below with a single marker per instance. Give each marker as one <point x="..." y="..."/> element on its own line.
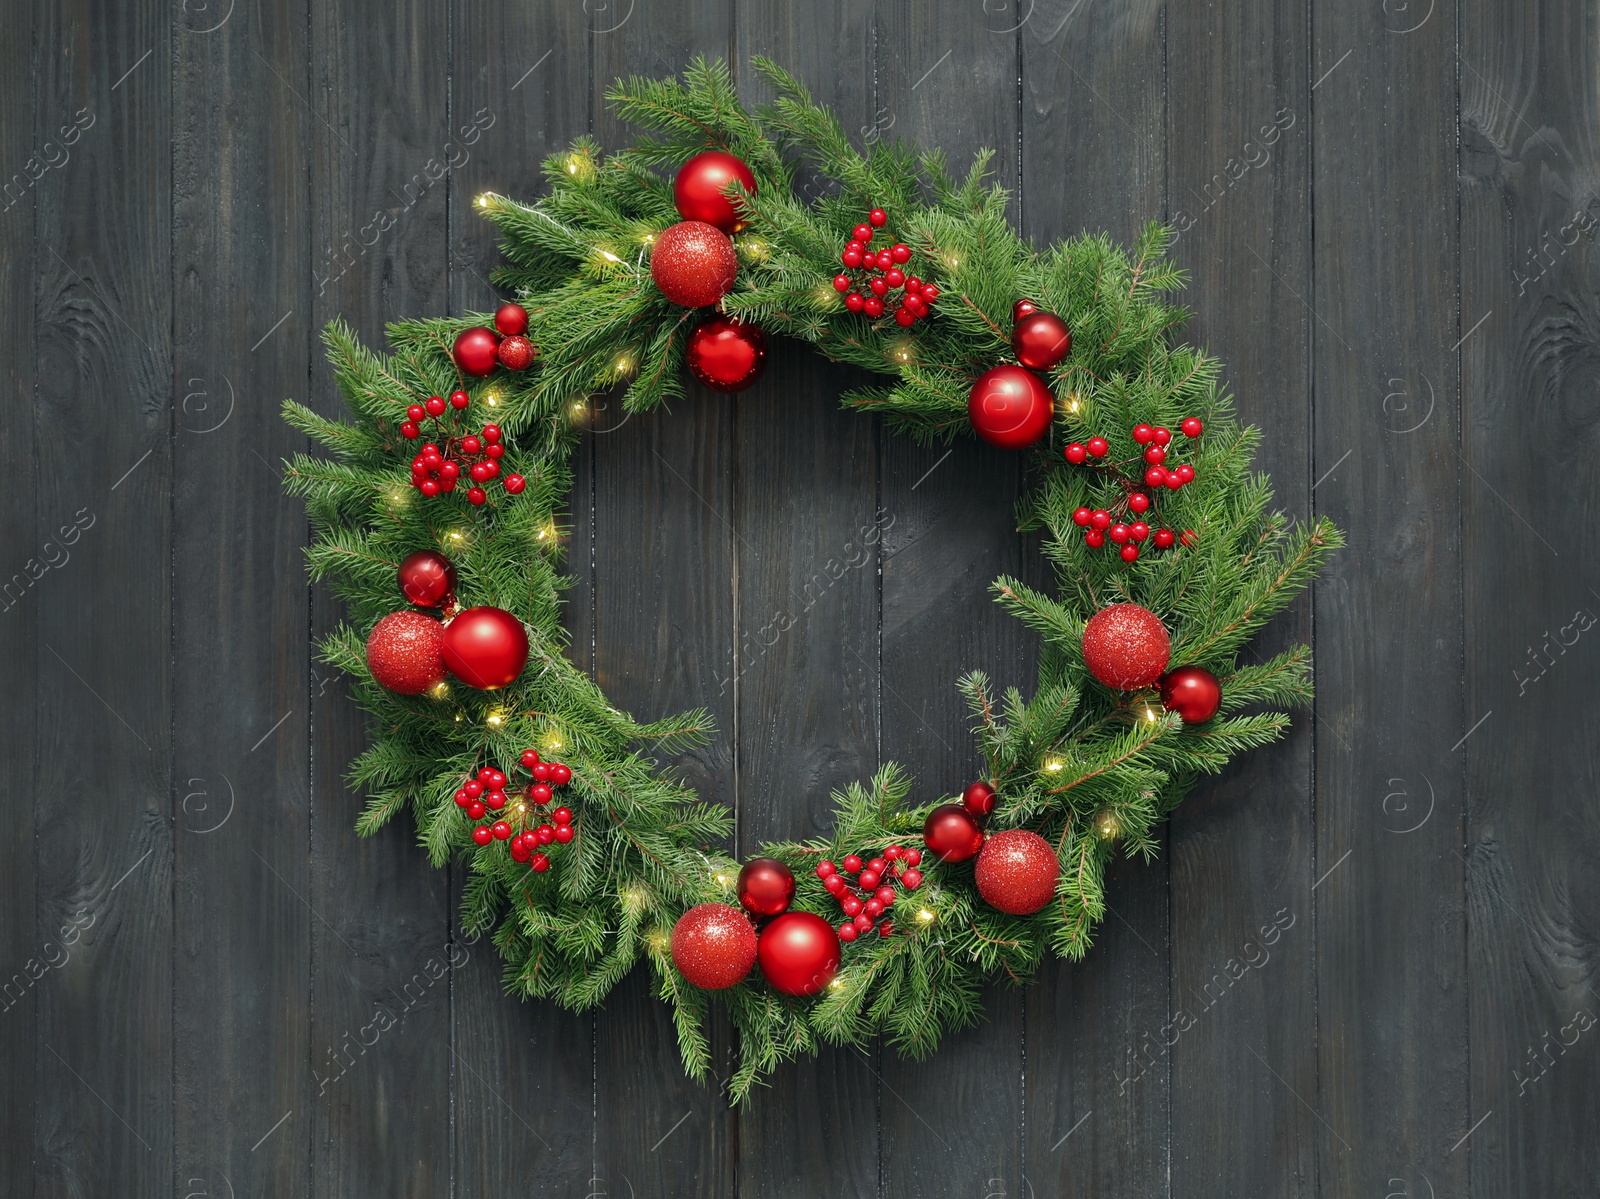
<point x="1389" y="213"/>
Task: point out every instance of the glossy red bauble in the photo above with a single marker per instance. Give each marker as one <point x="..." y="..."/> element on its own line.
<point x="693" y="263"/>
<point x="1040" y="340"/>
<point x="476" y="351"/>
<point x="766" y="887"/>
<point x="1017" y="872"/>
<point x="713" y="945"/>
<point x="427" y="578"/>
<point x="951" y="833"/>
<point x="978" y="799"/>
<point x="485" y="648"/>
<point x="727" y="354"/>
<point x="1009" y="407"/>
<point x="1126" y="646"/>
<point x="1023" y="308"/>
<point x="1192" y="692"/>
<point x="510" y="320"/>
<point x="697" y="189"/>
<point x="799" y="953"/>
<point x="404" y="652"/>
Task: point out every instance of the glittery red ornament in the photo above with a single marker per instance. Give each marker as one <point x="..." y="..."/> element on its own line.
<point x="485" y="648"/>
<point x="427" y="578"/>
<point x="697" y="189"/>
<point x="1017" y="872"/>
<point x="978" y="799"/>
<point x="475" y="351"/>
<point x="404" y="652"/>
<point x="766" y="887"/>
<point x="1126" y="646"/>
<point x="1040" y="340"/>
<point x="1009" y="407"/>
<point x="693" y="263"/>
<point x="1192" y="692"/>
<point x="951" y="833"/>
<point x="713" y="945"/>
<point x="799" y="953"/>
<point x="516" y="353"/>
<point x="727" y="354"/>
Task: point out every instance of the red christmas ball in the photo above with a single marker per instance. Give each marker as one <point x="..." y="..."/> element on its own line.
<point x="1192" y="692"/>
<point x="1040" y="340"/>
<point x="713" y="945"/>
<point x="1017" y="872"/>
<point x="427" y="578"/>
<point x="1023" y="308"/>
<point x="1009" y="407"/>
<point x="978" y="799"/>
<point x="766" y="887"/>
<point x="404" y="652"/>
<point x="1126" y="646"/>
<point x="693" y="263"/>
<point x="697" y="189"/>
<point x="799" y="953"/>
<point x="485" y="648"/>
<point x="727" y="354"/>
<point x="475" y="351"/>
<point x="511" y="319"/>
<point x="516" y="353"/>
<point x="951" y="833"/>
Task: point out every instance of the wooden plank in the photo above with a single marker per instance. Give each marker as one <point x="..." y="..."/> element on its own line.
<point x="524" y="1089"/>
<point x="664" y="627"/>
<point x="949" y="529"/>
<point x="807" y="705"/>
<point x="1242" y="955"/>
<point x="1391" y="1100"/>
<point x="103" y="1059"/>
<point x="1530" y="218"/>
<point x="241" y="239"/>
<point x="1094" y="114"/>
<point x="380" y="146"/>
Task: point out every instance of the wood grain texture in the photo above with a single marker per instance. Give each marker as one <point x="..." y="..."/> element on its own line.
<point x="1391" y="1015"/>
<point x="1094" y="110"/>
<point x="1530" y="217"/>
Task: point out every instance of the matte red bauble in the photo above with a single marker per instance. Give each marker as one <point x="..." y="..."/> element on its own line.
<point x="799" y="953"/>
<point x="697" y="190"/>
<point x="951" y="833"/>
<point x="1126" y="646"/>
<point x="476" y="351"/>
<point x="1017" y="872"/>
<point x="1009" y="407"/>
<point x="766" y="887"/>
<point x="404" y="652"/>
<point x="978" y="799"/>
<point x="1040" y="340"/>
<point x="713" y="945"/>
<point x="511" y="319"/>
<point x="693" y="263"/>
<point x="485" y="648"/>
<point x="427" y="578"/>
<point x="516" y="353"/>
<point x="727" y="354"/>
<point x="1192" y="692"/>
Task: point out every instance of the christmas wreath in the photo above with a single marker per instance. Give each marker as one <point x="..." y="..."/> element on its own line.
<point x="437" y="520"/>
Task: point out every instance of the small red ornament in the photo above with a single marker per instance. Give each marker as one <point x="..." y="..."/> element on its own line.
<point x="485" y="648"/>
<point x="1040" y="340"/>
<point x="1017" y="872"/>
<point x="1126" y="646"/>
<point x="697" y="190"/>
<point x="713" y="945"/>
<point x="727" y="354"/>
<point x="404" y="652"/>
<point x="511" y="320"/>
<point x="1009" y="407"/>
<point x="427" y="578"/>
<point x="1023" y="308"/>
<point x="766" y="887"/>
<point x="951" y="833"/>
<point x="693" y="263"/>
<point x="1192" y="692"/>
<point x="978" y="799"/>
<point x="799" y="953"/>
<point x="475" y="351"/>
<point x="516" y="353"/>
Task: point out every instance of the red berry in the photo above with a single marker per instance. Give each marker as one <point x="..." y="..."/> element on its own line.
<point x="564" y="833"/>
<point x="540" y="772"/>
<point x="869" y="879"/>
<point x="835" y="884"/>
<point x="904" y="317"/>
<point x="482" y="835"/>
<point x="862" y="233"/>
<point x="1138" y="502"/>
<point x="430" y="448"/>
<point x="520" y="850"/>
<point x="1082" y="517"/>
<point x="874" y="306"/>
<point x="912" y="879"/>
<point x="462" y="799"/>
<point x="1189" y="537"/>
<point x="841" y="283"/>
<point x="1186" y="473"/>
<point x="470" y="444"/>
<point x="930" y="293"/>
<point x="1155" y="455"/>
<point x="1075" y="453"/>
<point x="1143" y="433"/>
<point x="847" y="932"/>
<point x="880" y="287"/>
<point x="410" y="431"/>
<point x="851" y="863"/>
<point x="1130" y="553"/>
<point x="877" y="218"/>
<point x="428" y="488"/>
<point x="562" y="815"/>
<point x="1118" y="533"/>
<point x="435" y="405"/>
<point x="473" y="788"/>
<point x="1156" y="476"/>
<point x="886" y="928"/>
<point x="450" y="470"/>
<point x="1162" y="435"/>
<point x="540" y="863"/>
<point x="911" y="857"/>
<point x="863" y="922"/>
<point x="496" y="778"/>
<point x="883" y="259"/>
<point x="479" y="472"/>
<point x="491" y="433"/>
<point x="448" y="484"/>
<point x="1138" y="530"/>
<point x="1192" y="427"/>
<point x="476" y="809"/>
<point x="900" y="252"/>
<point x="545" y="834"/>
<point x="476" y="496"/>
<point x="417" y="412"/>
<point x="894" y="277"/>
<point x="1100" y="519"/>
<point x="885" y="896"/>
<point x="1174" y="480"/>
<point x="1164" y="539"/>
<point x="877" y="865"/>
<point x="496" y="799"/>
<point x="850" y="905"/>
<point x="515" y="484"/>
<point x="540" y="793"/>
<point x="1094" y="538"/>
<point x="853" y="301"/>
<point x="1097" y="447"/>
<point x="501" y="830"/>
<point x="560" y="774"/>
<point x="894" y="853"/>
<point x="459" y="400"/>
<point x="872" y="908"/>
<point x="530" y="758"/>
<point x="826" y="869"/>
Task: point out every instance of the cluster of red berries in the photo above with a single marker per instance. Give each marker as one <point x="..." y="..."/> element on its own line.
<point x="877" y="273"/>
<point x="876" y="879"/>
<point x="488" y="792"/>
<point x="1124" y="525"/>
<point x="437" y="469"/>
